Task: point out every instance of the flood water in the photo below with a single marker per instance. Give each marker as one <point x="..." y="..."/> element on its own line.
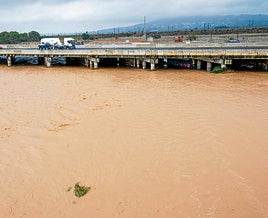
<point x="168" y="143"/>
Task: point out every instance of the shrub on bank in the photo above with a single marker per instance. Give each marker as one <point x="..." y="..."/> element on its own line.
<point x="219" y="69"/>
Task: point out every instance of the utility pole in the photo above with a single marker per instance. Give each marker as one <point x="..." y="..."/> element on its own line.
<point x="144" y="29"/>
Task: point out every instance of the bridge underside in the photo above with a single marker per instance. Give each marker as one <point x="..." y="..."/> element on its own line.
<point x="145" y="58"/>
<point x="151" y="63"/>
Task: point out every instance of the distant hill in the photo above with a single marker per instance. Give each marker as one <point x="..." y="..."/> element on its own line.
<point x="196" y="23"/>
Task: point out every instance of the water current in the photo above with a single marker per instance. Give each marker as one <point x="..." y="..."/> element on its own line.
<point x="168" y="143"/>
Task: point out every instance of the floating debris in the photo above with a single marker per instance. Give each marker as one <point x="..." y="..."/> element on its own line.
<point x="80" y="191"/>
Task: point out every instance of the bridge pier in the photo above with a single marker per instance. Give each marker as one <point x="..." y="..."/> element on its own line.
<point x="90" y="64"/>
<point x="193" y="63"/>
<point x="138" y="63"/>
<point x="118" y="62"/>
<point x="198" y="65"/>
<point x="9" y="60"/>
<point x="95" y="63"/>
<point x="133" y="62"/>
<point x="86" y="62"/>
<point x="209" y="66"/>
<point x="152" y="66"/>
<point x="222" y="63"/>
<point x="144" y="64"/>
<point x="265" y="66"/>
<point x="47" y="61"/>
<point x="153" y="62"/>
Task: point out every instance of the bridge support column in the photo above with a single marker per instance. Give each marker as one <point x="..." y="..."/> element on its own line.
<point x="133" y="62"/>
<point x="265" y="66"/>
<point x="138" y="63"/>
<point x="9" y="61"/>
<point x="153" y="62"/>
<point x="144" y="64"/>
<point x="198" y="65"/>
<point x="193" y="63"/>
<point x="118" y="62"/>
<point x="87" y="62"/>
<point x="209" y="66"/>
<point x="90" y="64"/>
<point x="152" y="66"/>
<point x="222" y="62"/>
<point x="95" y="64"/>
<point x="47" y="61"/>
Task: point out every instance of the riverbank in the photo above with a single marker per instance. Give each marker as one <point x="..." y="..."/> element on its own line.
<point x="166" y="143"/>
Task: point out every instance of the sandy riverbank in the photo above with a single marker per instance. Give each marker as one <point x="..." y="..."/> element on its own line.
<point x="150" y="144"/>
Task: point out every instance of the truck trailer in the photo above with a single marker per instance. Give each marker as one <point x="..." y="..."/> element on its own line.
<point x="55" y="43"/>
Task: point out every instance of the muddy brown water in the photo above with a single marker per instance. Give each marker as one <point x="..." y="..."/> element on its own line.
<point x="169" y="143"/>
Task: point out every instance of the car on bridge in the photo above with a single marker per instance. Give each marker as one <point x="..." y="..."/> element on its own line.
<point x="1" y="47"/>
<point x="233" y="41"/>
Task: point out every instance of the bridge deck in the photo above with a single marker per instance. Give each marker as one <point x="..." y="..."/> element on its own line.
<point x="234" y="53"/>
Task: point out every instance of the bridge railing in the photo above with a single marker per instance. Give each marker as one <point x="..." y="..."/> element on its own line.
<point x="251" y="53"/>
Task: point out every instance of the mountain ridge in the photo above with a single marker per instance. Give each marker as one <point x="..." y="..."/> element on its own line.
<point x="195" y="23"/>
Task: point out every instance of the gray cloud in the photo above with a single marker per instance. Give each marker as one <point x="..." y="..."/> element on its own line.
<point x="56" y="16"/>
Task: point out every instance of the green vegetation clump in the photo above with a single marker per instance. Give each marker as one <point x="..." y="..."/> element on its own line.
<point x="85" y="36"/>
<point x="192" y="37"/>
<point x="80" y="191"/>
<point x="14" y="37"/>
<point x="219" y="69"/>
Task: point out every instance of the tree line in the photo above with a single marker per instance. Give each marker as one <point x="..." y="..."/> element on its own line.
<point x="14" y="37"/>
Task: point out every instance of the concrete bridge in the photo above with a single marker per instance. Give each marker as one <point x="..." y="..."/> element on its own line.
<point x="221" y="56"/>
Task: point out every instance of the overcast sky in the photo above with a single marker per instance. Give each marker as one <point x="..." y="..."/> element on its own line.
<point x="64" y="16"/>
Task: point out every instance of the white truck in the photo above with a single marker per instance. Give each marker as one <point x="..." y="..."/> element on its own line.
<point x="55" y="43"/>
<point x="50" y="43"/>
<point x="69" y="43"/>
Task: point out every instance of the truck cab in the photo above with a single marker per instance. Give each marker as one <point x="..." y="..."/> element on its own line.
<point x="69" y="43"/>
